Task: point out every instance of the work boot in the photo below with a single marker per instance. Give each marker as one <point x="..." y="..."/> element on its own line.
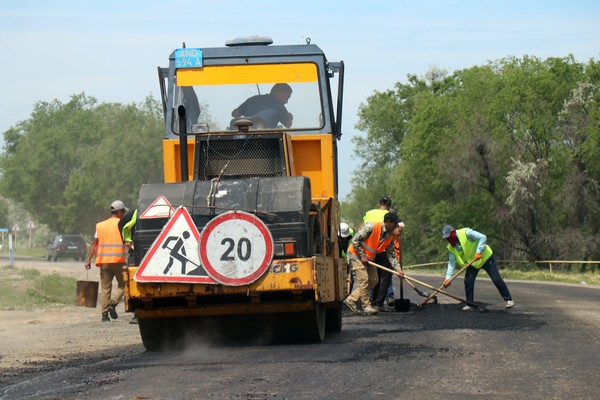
<point x="389" y="301"/>
<point x="105" y="317"/>
<point x="351" y="305"/>
<point x="510" y="304"/>
<point x="112" y="311"/>
<point x="368" y="310"/>
<point x="468" y="308"/>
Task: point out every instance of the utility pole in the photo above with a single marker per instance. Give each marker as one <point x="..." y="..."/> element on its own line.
<point x="10" y="246"/>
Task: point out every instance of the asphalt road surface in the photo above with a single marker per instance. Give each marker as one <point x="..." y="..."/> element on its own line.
<point x="546" y="347"/>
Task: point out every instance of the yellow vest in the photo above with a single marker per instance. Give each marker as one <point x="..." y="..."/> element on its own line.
<point x="375" y="215"/>
<point x="128" y="227"/>
<point x="468" y="251"/>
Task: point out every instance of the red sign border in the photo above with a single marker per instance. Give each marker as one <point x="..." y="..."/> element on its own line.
<point x="212" y="224"/>
<point x="171" y="209"/>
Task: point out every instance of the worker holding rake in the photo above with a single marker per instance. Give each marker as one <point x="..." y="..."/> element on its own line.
<point x="371" y="239"/>
<point x="465" y="245"/>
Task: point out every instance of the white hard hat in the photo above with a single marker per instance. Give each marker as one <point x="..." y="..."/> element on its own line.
<point x="344" y="230"/>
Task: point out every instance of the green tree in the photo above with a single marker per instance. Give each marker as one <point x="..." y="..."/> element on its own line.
<point x="385" y="119"/>
<point x="508" y="148"/>
<point x="579" y="194"/>
<point x="3" y="213"/>
<point x="69" y="161"/>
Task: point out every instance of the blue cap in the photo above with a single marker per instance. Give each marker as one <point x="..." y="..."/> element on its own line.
<point x="446" y="231"/>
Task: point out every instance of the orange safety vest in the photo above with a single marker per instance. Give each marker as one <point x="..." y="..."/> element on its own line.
<point x="372" y="245"/>
<point x="376" y="215"/>
<point x="397" y="248"/>
<point x="110" y="244"/>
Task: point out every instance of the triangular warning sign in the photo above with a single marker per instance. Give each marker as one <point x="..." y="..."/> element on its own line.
<point x="174" y="255"/>
<point x="160" y="208"/>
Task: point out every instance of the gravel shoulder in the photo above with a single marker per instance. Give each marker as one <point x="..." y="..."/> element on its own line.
<point x="32" y="339"/>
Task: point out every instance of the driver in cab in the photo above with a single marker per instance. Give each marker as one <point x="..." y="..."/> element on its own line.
<point x="270" y="108"/>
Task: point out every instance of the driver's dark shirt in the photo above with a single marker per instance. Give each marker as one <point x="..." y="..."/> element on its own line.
<point x="256" y="105"/>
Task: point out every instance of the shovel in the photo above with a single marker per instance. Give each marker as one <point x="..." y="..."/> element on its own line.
<point x="420" y="292"/>
<point x="467" y="302"/>
<point x="402" y="304"/>
<point x="442" y="287"/>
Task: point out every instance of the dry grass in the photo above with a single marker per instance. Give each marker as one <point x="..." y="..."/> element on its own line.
<point x="25" y="289"/>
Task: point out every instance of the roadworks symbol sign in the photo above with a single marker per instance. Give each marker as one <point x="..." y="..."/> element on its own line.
<point x="174" y="256"/>
<point x="160" y="208"/>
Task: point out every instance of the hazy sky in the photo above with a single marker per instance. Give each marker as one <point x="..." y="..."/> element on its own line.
<point x="110" y="49"/>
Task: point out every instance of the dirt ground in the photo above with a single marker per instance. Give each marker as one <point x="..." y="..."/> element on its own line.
<point x="30" y="339"/>
<point x="438" y="352"/>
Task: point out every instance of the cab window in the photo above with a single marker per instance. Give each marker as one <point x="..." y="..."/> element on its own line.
<point x="213" y="96"/>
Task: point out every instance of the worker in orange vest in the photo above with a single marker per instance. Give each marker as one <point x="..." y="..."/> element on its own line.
<point x="383" y="291"/>
<point x="109" y="250"/>
<point x="372" y="238"/>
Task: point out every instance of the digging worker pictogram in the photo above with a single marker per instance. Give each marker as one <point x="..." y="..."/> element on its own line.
<point x="177" y="251"/>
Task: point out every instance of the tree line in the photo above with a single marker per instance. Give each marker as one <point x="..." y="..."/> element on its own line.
<point x="509" y="148"/>
<point x="69" y="161"/>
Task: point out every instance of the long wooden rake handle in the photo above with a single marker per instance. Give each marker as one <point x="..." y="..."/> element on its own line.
<point x="470" y="303"/>
<point x="442" y="287"/>
<point x="412" y="285"/>
<point x="419" y="292"/>
<point x="408" y="278"/>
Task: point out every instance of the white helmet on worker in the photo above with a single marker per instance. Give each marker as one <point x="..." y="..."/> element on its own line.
<point x="344" y="230"/>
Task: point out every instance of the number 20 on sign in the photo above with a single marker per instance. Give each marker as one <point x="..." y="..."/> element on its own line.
<point x="236" y="248"/>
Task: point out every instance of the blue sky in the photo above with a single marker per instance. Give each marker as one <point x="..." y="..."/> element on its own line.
<point x="110" y="49"/>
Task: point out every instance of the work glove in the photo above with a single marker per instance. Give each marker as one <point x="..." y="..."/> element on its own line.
<point x="400" y="272"/>
<point x="447" y="282"/>
<point x="477" y="256"/>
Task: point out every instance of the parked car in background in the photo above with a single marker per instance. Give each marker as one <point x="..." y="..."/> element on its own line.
<point x="64" y="246"/>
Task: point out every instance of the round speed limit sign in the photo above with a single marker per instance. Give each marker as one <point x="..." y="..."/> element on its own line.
<point x="236" y="248"/>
